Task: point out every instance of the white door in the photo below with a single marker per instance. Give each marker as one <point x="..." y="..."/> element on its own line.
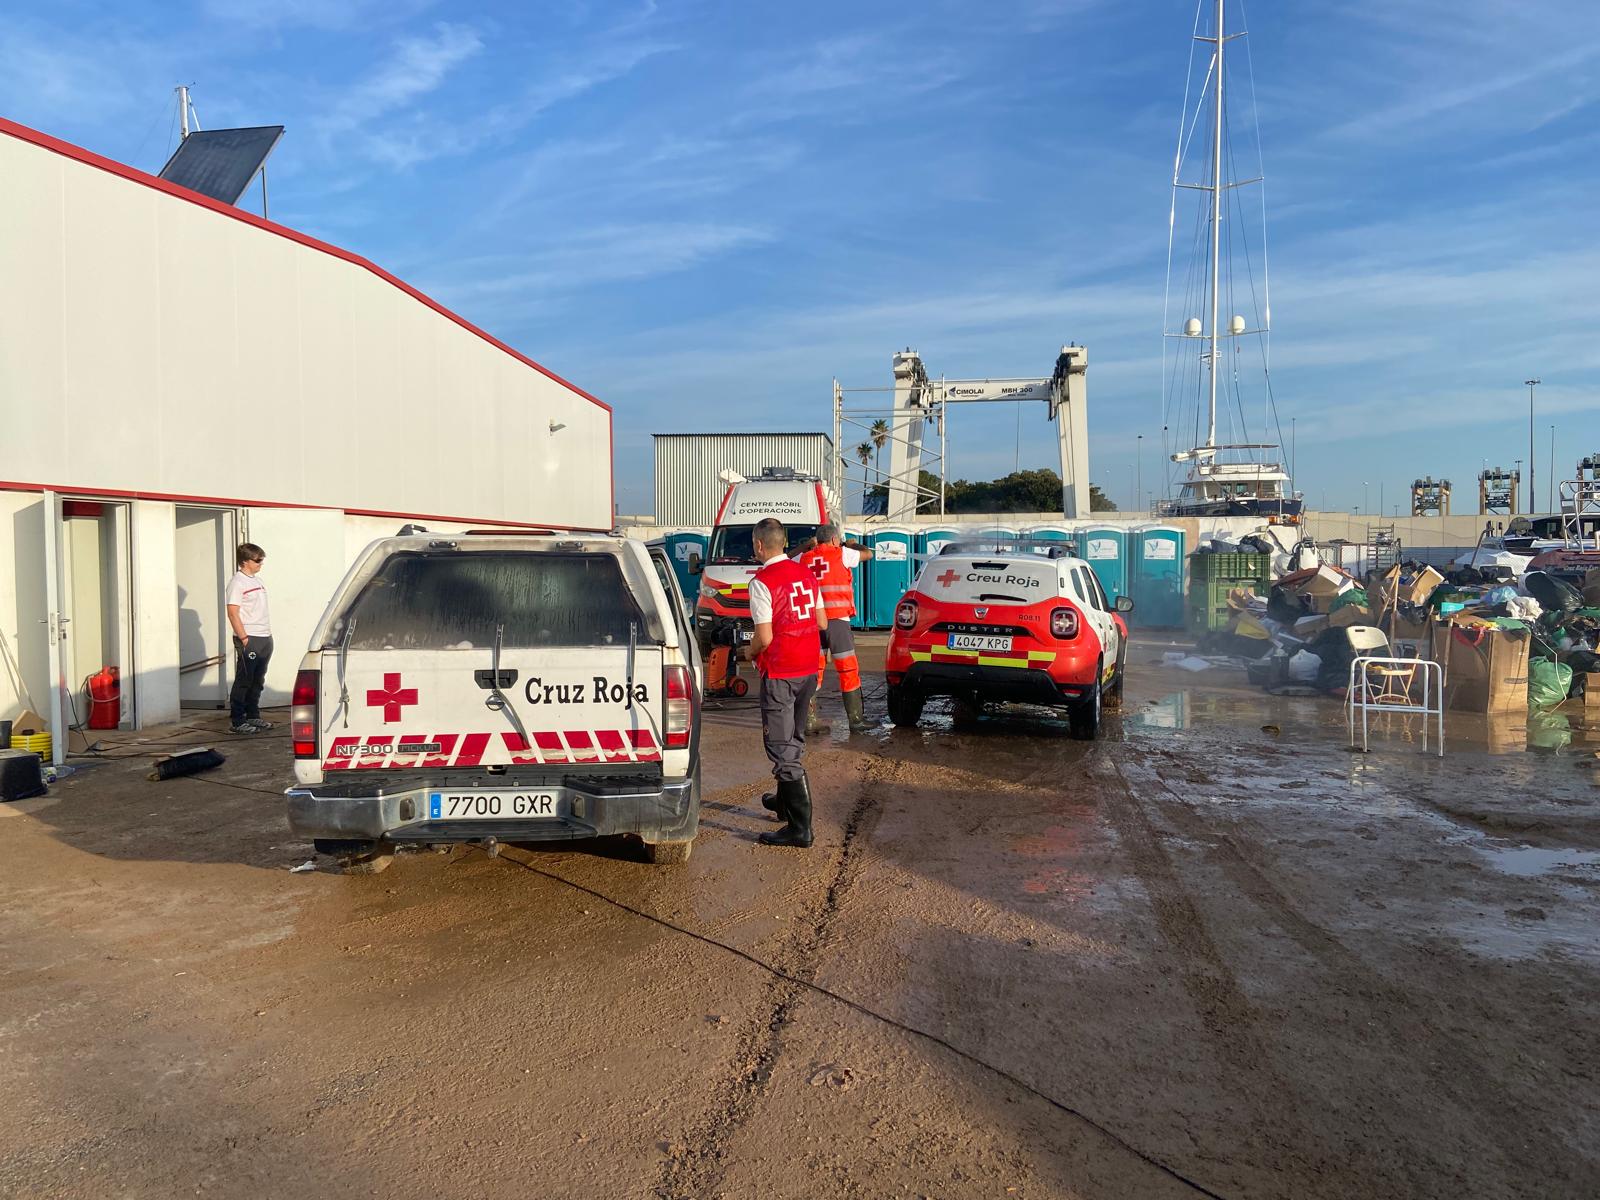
<point x="55" y="621"/>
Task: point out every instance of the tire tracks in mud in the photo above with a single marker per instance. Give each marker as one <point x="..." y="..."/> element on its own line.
<point x="697" y="1166"/>
<point x="1411" y="1025"/>
<point x="1277" y="1140"/>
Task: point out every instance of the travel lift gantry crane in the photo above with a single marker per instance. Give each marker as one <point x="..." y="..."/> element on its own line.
<point x="919" y="401"/>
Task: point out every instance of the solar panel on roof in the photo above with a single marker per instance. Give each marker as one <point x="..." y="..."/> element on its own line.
<point x="220" y="163"/>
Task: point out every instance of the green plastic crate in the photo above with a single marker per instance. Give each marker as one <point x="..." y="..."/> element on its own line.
<point x="1207" y="608"/>
<point x="1235" y="565"/>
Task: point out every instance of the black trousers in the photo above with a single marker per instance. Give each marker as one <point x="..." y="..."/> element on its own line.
<point x="249" y="675"/>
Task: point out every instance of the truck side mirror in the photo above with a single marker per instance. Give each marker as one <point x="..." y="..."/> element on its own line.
<point x="694" y="563"/>
<point x="1124" y="604"/>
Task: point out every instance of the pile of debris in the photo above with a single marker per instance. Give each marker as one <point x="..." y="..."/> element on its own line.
<point x="1504" y="646"/>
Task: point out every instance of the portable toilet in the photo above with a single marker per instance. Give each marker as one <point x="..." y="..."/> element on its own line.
<point x="1106" y="548"/>
<point x="1051" y="533"/>
<point x="1157" y="569"/>
<point x="995" y="533"/>
<point x="931" y="541"/>
<point x="680" y="546"/>
<point x="859" y="577"/>
<point x="889" y="575"/>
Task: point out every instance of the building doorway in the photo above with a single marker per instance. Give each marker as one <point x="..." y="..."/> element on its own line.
<point x="205" y="546"/>
<point x="96" y="600"/>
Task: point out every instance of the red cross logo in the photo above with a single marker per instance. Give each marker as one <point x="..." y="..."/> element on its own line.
<point x="948" y="577"/>
<point x="818" y="566"/>
<point x="801" y="600"/>
<point x="392" y="699"/>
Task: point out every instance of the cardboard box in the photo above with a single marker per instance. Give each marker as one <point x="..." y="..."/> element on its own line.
<point x="1350" y="614"/>
<point x="1591" y="689"/>
<point x="1307" y="628"/>
<point x="28" y="722"/>
<point x="1485" y="671"/>
<point x="1416" y="592"/>
<point x="1324" y="585"/>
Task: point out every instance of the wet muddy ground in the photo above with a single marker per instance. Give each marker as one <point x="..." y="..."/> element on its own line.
<point x="1214" y="954"/>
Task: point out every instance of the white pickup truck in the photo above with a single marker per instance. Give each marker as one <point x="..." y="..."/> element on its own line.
<point x="490" y="687"/>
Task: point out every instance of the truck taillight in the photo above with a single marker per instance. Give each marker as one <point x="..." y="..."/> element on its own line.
<point x="1064" y="622"/>
<point x="905" y="614"/>
<point x="679" y="708"/>
<point x="303" y="716"/>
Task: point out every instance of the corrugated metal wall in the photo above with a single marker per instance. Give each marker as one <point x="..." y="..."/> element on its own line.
<point x="687" y="488"/>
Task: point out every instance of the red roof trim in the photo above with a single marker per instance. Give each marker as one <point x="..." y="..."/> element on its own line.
<point x="133" y="175"/>
<point x="95" y="493"/>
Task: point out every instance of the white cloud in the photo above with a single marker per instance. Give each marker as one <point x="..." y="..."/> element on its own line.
<point x="415" y="68"/>
<point x="603" y="255"/>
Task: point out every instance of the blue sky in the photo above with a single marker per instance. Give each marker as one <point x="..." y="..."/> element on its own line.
<point x="704" y="212"/>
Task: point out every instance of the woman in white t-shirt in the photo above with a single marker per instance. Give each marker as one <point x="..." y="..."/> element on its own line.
<point x="252" y="640"/>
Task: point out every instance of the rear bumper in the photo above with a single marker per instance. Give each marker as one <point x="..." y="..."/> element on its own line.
<point x="1021" y="685"/>
<point x="662" y="810"/>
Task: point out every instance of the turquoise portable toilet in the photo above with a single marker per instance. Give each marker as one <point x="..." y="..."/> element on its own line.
<point x="1106" y="549"/>
<point x="931" y="541"/>
<point x="859" y="578"/>
<point x="1051" y="533"/>
<point x="680" y="546"/>
<point x="889" y="575"/>
<point x="995" y="534"/>
<point x="1157" y="570"/>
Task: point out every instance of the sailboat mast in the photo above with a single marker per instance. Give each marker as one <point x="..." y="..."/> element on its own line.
<point x="1216" y="233"/>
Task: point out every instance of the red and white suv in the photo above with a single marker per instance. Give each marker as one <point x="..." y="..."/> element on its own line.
<point x="1023" y="622"/>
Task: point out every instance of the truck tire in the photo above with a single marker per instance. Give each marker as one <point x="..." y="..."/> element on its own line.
<point x="664" y="854"/>
<point x="1083" y="718"/>
<point x="369" y="859"/>
<point x="905" y="705"/>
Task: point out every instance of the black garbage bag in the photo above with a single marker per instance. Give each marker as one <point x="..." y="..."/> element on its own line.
<point x="1332" y="646"/>
<point x="1553" y="594"/>
<point x="1287" y="607"/>
<point x="1583" y="662"/>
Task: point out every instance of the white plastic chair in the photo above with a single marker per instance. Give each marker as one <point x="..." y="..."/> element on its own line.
<point x="1370" y="687"/>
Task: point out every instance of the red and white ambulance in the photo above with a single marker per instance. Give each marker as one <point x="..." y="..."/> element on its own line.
<point x="1022" y="622"/>
<point x="802" y="502"/>
<point x="489" y="688"/>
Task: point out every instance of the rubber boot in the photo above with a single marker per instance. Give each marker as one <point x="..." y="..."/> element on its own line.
<point x="776" y="802"/>
<point x="797" y="829"/>
<point x="814" y="724"/>
<point x="853" y="710"/>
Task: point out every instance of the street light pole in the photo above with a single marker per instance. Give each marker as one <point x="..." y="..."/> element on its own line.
<point x="1533" y="491"/>
<point x="1551" y="486"/>
<point x="1138" y="471"/>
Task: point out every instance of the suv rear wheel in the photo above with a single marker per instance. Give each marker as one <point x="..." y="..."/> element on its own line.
<point x="905" y="705"/>
<point x="1084" y="717"/>
<point x="1113" y="696"/>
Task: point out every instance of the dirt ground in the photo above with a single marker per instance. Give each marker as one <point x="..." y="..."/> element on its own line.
<point x="1214" y="954"/>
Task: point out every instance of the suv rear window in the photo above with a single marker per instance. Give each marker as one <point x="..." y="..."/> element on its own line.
<point x="453" y="601"/>
<point x="733" y="544"/>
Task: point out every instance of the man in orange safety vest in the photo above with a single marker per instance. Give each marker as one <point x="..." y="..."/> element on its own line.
<point x="831" y="562"/>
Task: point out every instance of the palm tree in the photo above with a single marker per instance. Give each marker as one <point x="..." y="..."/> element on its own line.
<point x="864" y="453"/>
<point x="880" y="435"/>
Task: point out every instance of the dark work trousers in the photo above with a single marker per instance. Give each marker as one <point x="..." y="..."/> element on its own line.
<point x="249" y="674"/>
<point x="783" y="722"/>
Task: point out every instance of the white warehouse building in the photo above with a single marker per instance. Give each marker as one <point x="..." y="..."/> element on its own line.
<point x="177" y="376"/>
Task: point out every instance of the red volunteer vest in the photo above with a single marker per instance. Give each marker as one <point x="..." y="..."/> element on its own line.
<point x="826" y="563"/>
<point x="793" y="650"/>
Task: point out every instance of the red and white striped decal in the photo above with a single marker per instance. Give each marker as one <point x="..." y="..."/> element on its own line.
<point x="554" y="747"/>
